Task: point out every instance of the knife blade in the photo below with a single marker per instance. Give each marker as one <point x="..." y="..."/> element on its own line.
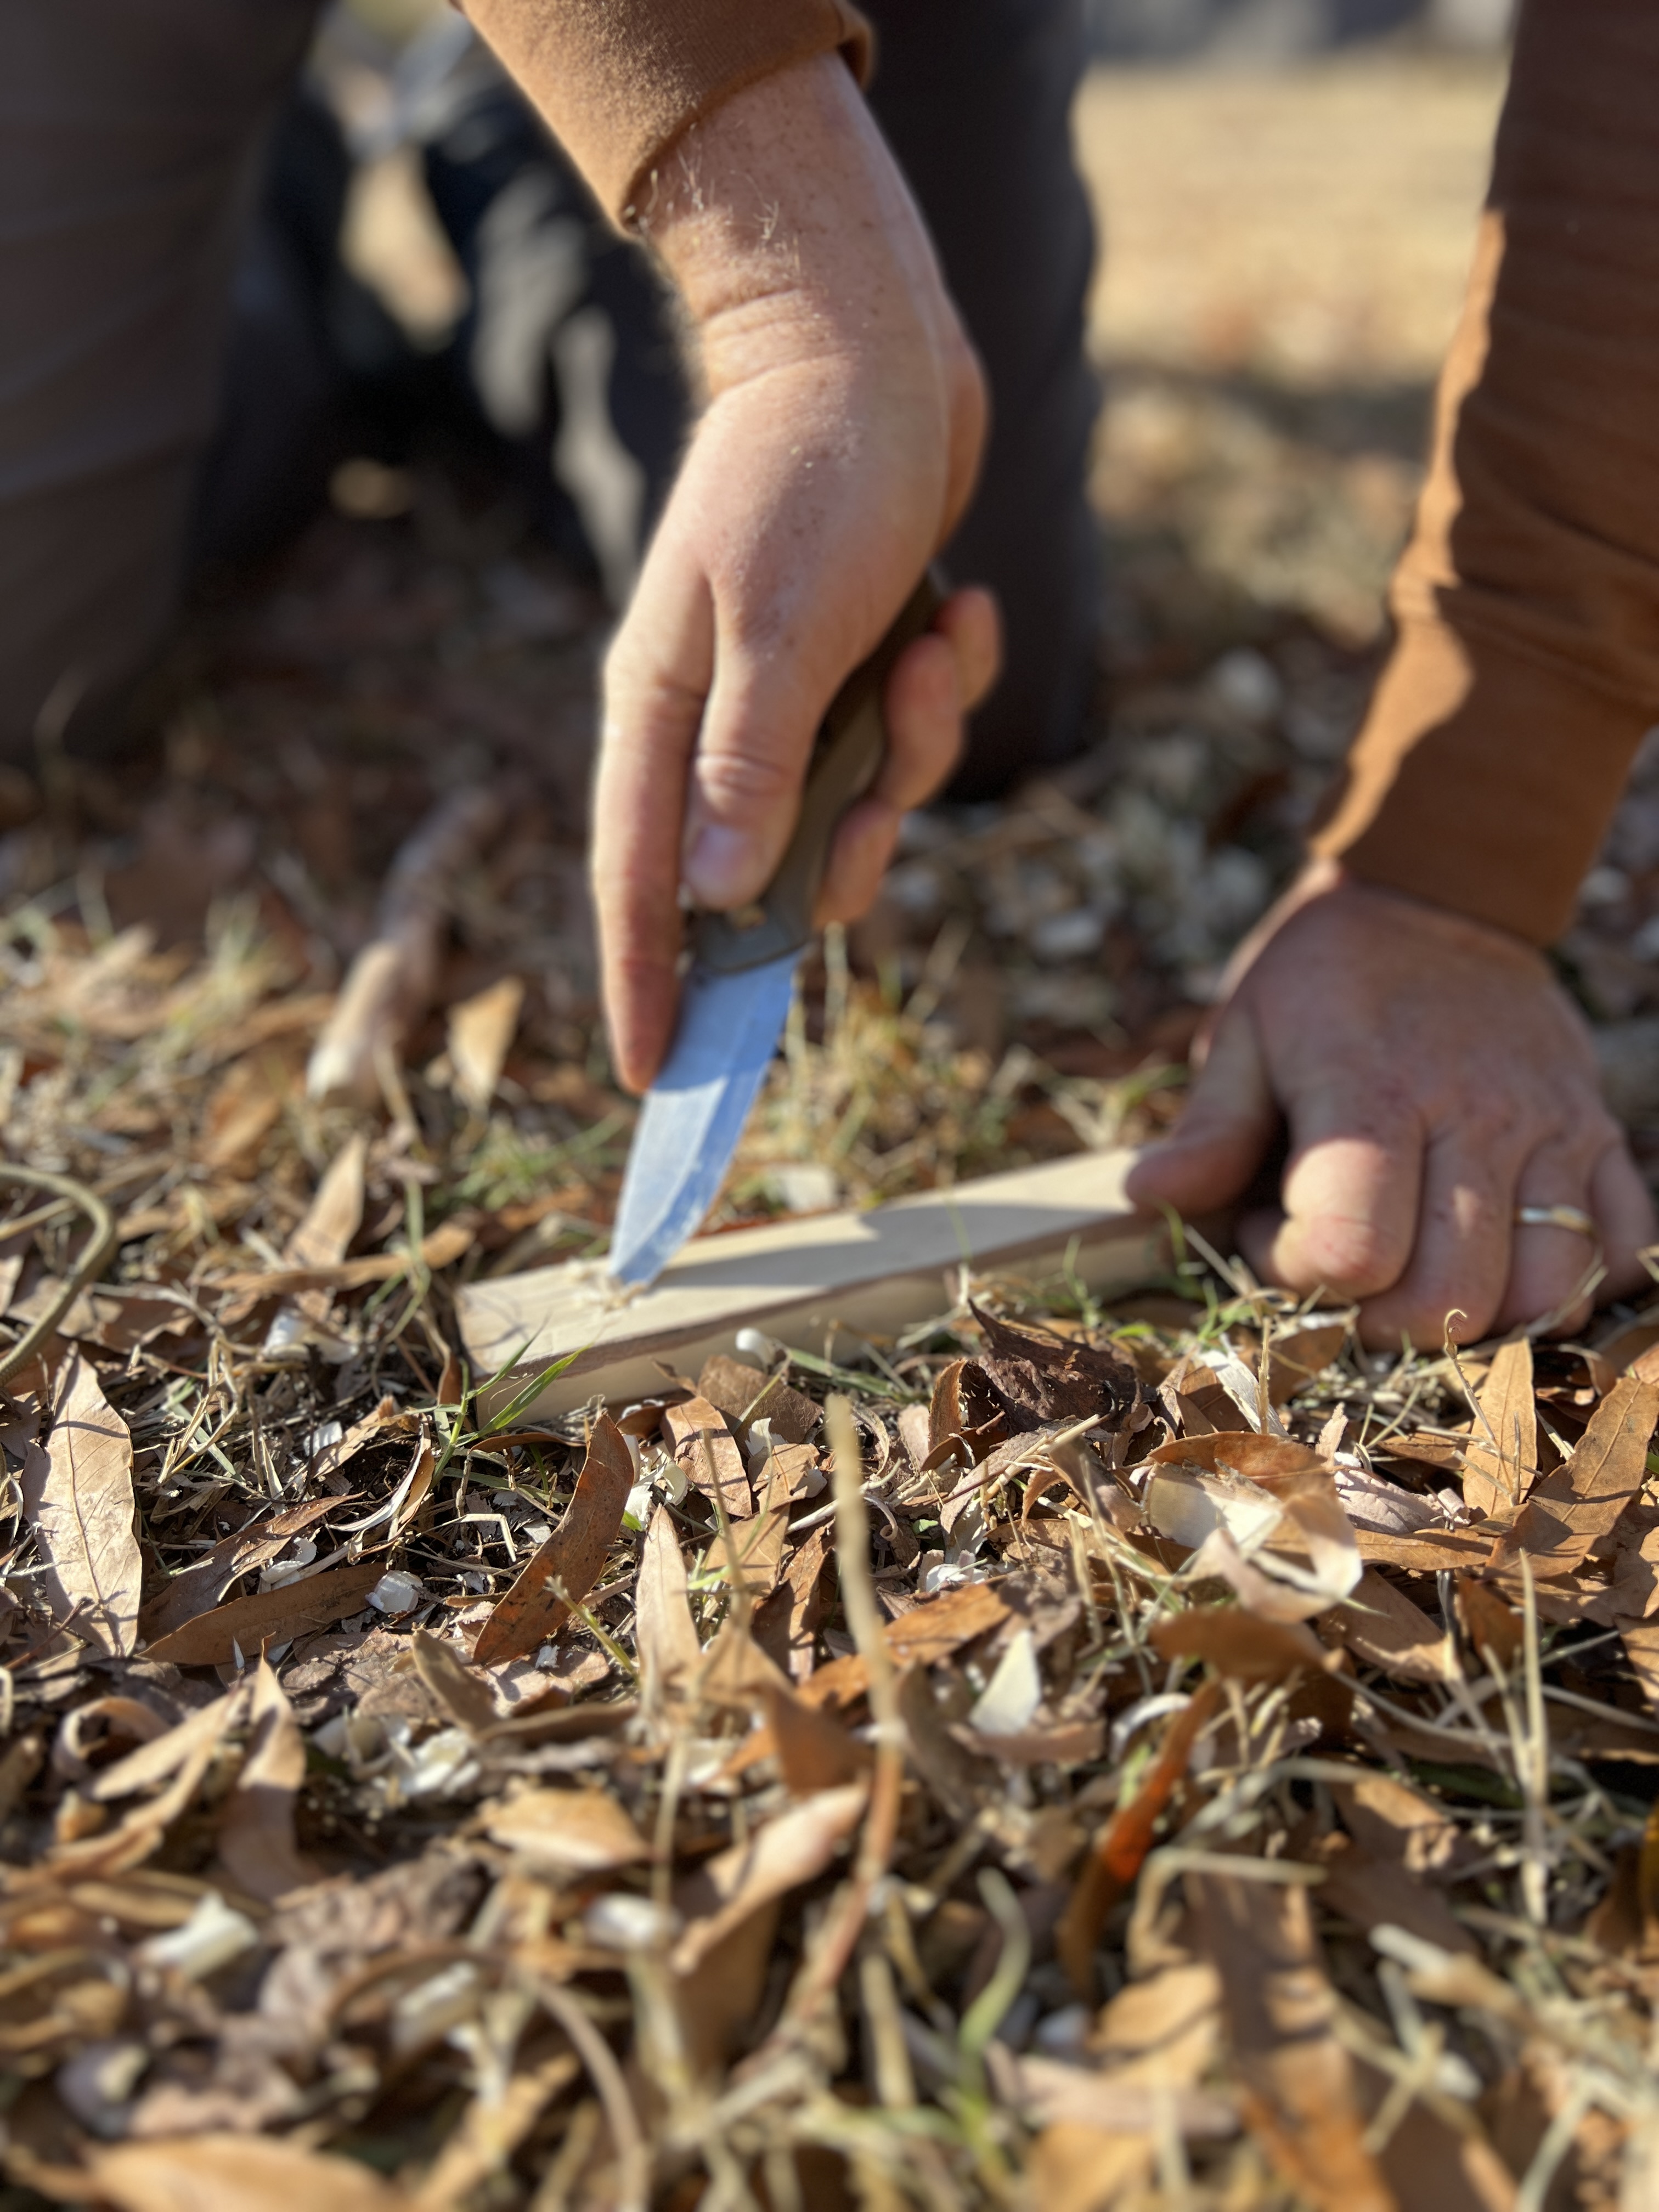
<point x="734" y="998"/>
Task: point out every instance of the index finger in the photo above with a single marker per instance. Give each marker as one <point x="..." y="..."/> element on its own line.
<point x="656" y="681"/>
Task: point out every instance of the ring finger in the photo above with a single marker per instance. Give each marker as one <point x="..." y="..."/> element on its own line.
<point x="1550" y="1262"/>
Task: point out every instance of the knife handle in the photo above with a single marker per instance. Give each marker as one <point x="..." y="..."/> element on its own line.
<point x="845" y="758"/>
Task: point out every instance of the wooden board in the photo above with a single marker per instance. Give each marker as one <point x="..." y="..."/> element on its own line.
<point x="811" y="1282"/>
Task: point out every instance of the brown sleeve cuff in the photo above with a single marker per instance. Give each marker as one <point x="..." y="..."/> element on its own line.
<point x="618" y="81"/>
<point x="1483" y="780"/>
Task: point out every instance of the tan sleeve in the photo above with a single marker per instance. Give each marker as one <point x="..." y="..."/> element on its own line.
<point x="1525" y="665"/>
<point x="619" y="80"/>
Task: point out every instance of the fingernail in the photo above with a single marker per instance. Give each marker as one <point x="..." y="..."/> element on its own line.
<point x="718" y="865"/>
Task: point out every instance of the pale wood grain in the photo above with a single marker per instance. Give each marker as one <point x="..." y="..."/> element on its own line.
<point x="805" y="1281"/>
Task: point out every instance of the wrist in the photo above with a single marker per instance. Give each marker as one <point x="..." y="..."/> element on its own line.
<point x="791" y="238"/>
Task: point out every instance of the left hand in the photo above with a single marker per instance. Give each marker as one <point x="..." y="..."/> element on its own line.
<point x="1434" y="1078"/>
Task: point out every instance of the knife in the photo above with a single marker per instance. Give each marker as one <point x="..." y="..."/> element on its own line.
<point x="734" y="999"/>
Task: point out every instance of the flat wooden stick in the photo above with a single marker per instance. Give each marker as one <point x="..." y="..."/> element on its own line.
<point x="805" y="1281"/>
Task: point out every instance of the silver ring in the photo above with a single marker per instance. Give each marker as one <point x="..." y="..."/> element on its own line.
<point x="1556" y="1217"/>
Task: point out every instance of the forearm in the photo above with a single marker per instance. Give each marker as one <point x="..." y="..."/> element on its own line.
<point x="1527" y="664"/>
<point x="619" y="81"/>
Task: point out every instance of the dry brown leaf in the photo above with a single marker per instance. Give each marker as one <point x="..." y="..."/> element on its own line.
<point x="1570" y="1509"/>
<point x="1641" y="1641"/>
<point x="246" y="1105"/>
<point x="491" y="2129"/>
<point x="1431" y="1552"/>
<point x="480" y="1033"/>
<point x="813" y="1749"/>
<point x="1067" y="1743"/>
<point x="1380" y="1624"/>
<point x="185" y="1754"/>
<point x="335" y="1214"/>
<point x="1298" y="1355"/>
<point x="1281" y="2010"/>
<point x="921" y="1637"/>
<point x="665" y="1635"/>
<point x="1390" y="1820"/>
<point x="256" y="1836"/>
<point x="566" y="1832"/>
<point x="1493" y="1625"/>
<point x="1238" y="1644"/>
<point x="200" y="1588"/>
<point x="460" y="1690"/>
<point x="709" y="1455"/>
<point x="273" y="1616"/>
<point x="574" y="1556"/>
<point x="794" y="1848"/>
<point x="1377" y="1893"/>
<point x="162" y="1757"/>
<point x="1073" y="2167"/>
<point x="786" y="1625"/>
<point x="1157" y="2036"/>
<point x="747" y="1395"/>
<point x="758" y="1544"/>
<point x="235" y="2173"/>
<point x="78" y="1499"/>
<point x="1498" y="1482"/>
<point x="439" y="1247"/>
<point x="736" y="1671"/>
<point x="1038" y="1374"/>
<point x="382" y="1420"/>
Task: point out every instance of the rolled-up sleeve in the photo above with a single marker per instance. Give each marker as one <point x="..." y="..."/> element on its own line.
<point x="1526" y="663"/>
<point x="620" y="81"/>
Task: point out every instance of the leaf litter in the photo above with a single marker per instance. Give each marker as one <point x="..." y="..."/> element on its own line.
<point x="1143" y="1755"/>
<point x="1193" y="1765"/>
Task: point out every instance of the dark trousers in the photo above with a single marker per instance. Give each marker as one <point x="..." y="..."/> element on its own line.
<point x="160" y="369"/>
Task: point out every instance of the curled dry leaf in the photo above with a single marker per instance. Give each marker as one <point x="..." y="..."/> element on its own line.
<point x="1262" y="1497"/>
<point x="1038" y="1376"/>
<point x="256" y="1836"/>
<point x="747" y="1395"/>
<point x="532" y="1611"/>
<point x="78" y="1499"/>
<point x="708" y="1455"/>
<point x="199" y="1587"/>
<point x="480" y="1033"/>
<point x="794" y="1848"/>
<point x="238" y="2172"/>
<point x="566" y="1832"/>
<point x="921" y="1637"/>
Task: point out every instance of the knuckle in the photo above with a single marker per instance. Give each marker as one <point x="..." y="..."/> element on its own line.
<point x="734" y="782"/>
<point x="1354" y="1254"/>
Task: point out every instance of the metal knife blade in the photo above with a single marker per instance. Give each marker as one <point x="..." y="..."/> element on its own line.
<point x="695" y="1111"/>
<point x="735" y="999"/>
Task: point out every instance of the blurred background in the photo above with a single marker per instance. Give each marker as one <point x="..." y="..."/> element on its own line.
<point x="1286" y="191"/>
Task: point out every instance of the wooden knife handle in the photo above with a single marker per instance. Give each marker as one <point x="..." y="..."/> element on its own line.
<point x="845" y="758"/>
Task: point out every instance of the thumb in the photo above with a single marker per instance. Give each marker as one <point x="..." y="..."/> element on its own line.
<point x="1221" y="1138"/>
